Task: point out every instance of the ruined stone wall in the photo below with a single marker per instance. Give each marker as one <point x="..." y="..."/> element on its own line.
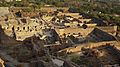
<point x="52" y="9"/>
<point x="85" y="20"/>
<point x="30" y="14"/>
<point x="5" y="39"/>
<point x="27" y="31"/>
<point x="78" y="47"/>
<point x="70" y="31"/>
<point x="109" y="29"/>
<point x="22" y="31"/>
<point x="74" y="15"/>
<point x="47" y="18"/>
<point x="68" y="14"/>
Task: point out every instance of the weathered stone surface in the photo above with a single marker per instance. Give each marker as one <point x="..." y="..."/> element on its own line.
<point x="4" y="11"/>
<point x="1" y="63"/>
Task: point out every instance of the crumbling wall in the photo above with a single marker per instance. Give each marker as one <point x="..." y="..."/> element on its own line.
<point x="78" y="47"/>
<point x="71" y="31"/>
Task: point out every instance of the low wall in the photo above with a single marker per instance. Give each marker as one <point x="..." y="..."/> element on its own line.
<point x="78" y="47"/>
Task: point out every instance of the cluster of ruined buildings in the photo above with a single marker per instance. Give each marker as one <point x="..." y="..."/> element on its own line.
<point x="41" y="36"/>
